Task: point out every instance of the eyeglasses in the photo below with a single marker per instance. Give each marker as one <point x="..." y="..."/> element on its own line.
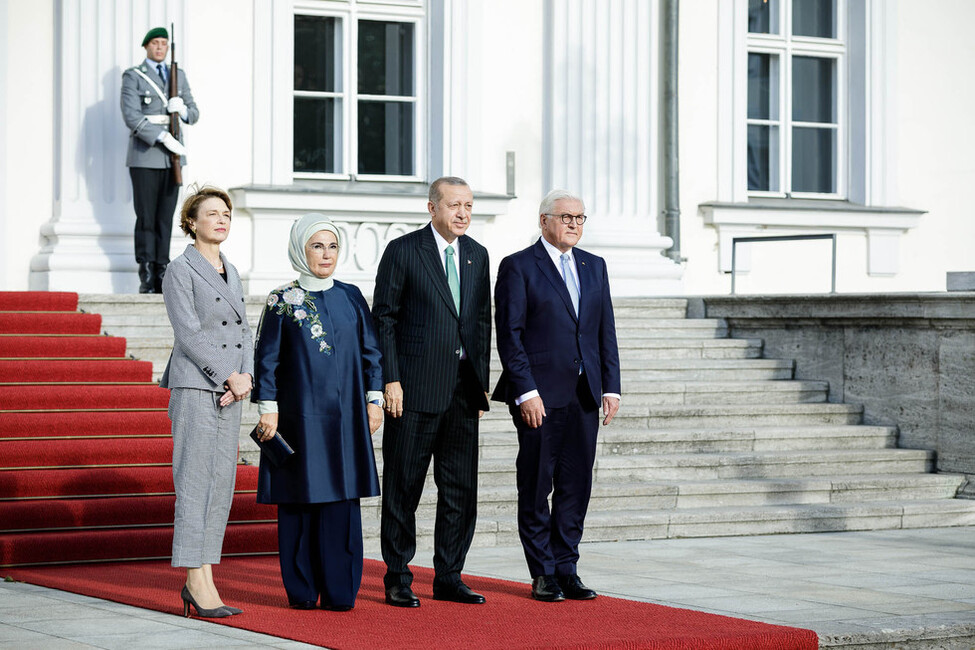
<point x="567" y="218"/>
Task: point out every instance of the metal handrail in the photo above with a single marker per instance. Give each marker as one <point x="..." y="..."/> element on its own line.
<point x="745" y="240"/>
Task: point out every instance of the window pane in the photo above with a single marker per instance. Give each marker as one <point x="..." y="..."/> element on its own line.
<point x="386" y="138"/>
<point x="763" y="158"/>
<point x="318" y="135"/>
<point x="813" y="160"/>
<point x="385" y="58"/>
<point x="813" y="95"/>
<point x="763" y="86"/>
<point x="316" y="59"/>
<point x="814" y="18"/>
<point x="763" y="16"/>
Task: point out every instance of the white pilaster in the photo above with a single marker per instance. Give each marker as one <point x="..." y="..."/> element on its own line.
<point x="601" y="137"/>
<point x="88" y="243"/>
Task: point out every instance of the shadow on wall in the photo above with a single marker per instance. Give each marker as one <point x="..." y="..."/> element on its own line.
<point x="100" y="161"/>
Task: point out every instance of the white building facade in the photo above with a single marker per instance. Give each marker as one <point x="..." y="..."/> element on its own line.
<point x="794" y="117"/>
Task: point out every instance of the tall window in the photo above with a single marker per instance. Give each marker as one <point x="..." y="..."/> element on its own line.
<point x="796" y="102"/>
<point x="355" y="96"/>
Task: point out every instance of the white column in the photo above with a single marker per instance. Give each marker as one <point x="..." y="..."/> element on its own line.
<point x="88" y="243"/>
<point x="601" y="133"/>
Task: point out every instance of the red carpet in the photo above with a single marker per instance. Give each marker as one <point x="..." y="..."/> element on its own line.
<point x="509" y="619"/>
<point x="85" y="446"/>
<point x="85" y="480"/>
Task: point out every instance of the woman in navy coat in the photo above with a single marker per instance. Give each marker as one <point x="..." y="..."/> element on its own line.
<point x="318" y="382"/>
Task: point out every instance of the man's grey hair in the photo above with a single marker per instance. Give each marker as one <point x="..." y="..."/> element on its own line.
<point x="436" y="194"/>
<point x="548" y="203"/>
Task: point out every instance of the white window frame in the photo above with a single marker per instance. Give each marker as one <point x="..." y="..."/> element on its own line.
<point x="870" y="180"/>
<point x="349" y="13"/>
<point x="786" y="46"/>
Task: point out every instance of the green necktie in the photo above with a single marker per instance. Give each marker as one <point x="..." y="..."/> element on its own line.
<point x="452" y="281"/>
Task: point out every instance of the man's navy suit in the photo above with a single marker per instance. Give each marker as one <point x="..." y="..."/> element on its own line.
<point x="423" y="337"/>
<point x="572" y="361"/>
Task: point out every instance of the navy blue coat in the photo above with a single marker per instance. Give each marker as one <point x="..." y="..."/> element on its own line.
<point x="316" y="356"/>
<point x="541" y="341"/>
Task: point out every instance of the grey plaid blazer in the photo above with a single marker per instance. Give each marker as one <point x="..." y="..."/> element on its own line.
<point x="212" y="339"/>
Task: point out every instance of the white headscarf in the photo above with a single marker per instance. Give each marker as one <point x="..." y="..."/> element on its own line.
<point x="303" y="230"/>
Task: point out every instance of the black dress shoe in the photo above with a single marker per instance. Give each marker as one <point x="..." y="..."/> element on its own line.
<point x="573" y="588"/>
<point x="546" y="589"/>
<point x="457" y="593"/>
<point x="158" y="273"/>
<point x="401" y="596"/>
<point x="336" y="608"/>
<point x="302" y="604"/>
<point x="145" y="278"/>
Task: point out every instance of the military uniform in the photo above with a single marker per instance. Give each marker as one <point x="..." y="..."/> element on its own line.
<point x="154" y="193"/>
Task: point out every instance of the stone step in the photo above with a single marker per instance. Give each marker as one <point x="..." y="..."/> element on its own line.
<point x="710" y="415"/>
<point x="673" y="328"/>
<point x="643" y="308"/>
<point x="706" y="369"/>
<point x="671" y="416"/>
<point x="725" y="392"/>
<point x="721" y="521"/>
<point x="630" y="442"/>
<point x="638" y="370"/>
<point x="754" y="465"/>
<point x="730" y="465"/>
<point x="646" y="348"/>
<point x="502" y="500"/>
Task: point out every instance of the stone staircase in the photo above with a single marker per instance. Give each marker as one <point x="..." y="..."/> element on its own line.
<point x="711" y="440"/>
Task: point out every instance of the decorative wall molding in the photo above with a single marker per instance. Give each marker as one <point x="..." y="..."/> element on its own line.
<point x="368" y="217"/>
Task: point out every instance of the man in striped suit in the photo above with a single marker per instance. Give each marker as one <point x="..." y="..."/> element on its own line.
<point x="432" y="307"/>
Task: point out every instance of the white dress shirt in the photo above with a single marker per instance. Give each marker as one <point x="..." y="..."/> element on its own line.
<point x="442" y="247"/>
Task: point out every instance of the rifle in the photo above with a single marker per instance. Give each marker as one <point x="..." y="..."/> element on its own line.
<point x="174" y="117"/>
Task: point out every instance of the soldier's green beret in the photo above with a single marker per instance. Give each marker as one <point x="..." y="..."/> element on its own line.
<point x="155" y="32"/>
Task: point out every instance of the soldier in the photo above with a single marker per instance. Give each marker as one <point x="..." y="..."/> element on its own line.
<point x="146" y="106"/>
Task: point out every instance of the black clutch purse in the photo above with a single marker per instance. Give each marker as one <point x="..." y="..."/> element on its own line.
<point x="276" y="450"/>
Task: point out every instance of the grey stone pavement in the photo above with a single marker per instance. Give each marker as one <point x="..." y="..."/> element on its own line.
<point x="902" y="589"/>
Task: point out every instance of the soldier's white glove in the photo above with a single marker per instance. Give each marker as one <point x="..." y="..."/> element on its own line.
<point x="176" y="105"/>
<point x="173" y="144"/>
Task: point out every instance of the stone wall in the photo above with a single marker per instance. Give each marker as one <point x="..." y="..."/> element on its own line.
<point x="909" y="359"/>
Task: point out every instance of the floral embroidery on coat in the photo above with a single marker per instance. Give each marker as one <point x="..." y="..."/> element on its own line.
<point x="293" y="301"/>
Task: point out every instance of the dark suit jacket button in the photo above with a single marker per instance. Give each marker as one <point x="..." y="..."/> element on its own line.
<point x="218" y="299"/>
<point x="575" y="361"/>
<point x="224" y="345"/>
<point x="238" y="345"/>
<point x="238" y="321"/>
<point x="225" y="322"/>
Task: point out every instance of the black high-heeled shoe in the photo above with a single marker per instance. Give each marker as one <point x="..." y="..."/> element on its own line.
<point x="216" y="612"/>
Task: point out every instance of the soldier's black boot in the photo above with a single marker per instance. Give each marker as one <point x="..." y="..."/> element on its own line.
<point x="159" y="270"/>
<point x="145" y="278"/>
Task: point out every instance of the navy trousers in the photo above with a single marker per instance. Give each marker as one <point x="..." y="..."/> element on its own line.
<point x="556" y="458"/>
<point x="320" y="550"/>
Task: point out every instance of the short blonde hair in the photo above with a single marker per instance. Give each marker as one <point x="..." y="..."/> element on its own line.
<point x="191" y="204"/>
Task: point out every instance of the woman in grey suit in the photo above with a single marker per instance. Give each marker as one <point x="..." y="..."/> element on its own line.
<point x="209" y="372"/>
